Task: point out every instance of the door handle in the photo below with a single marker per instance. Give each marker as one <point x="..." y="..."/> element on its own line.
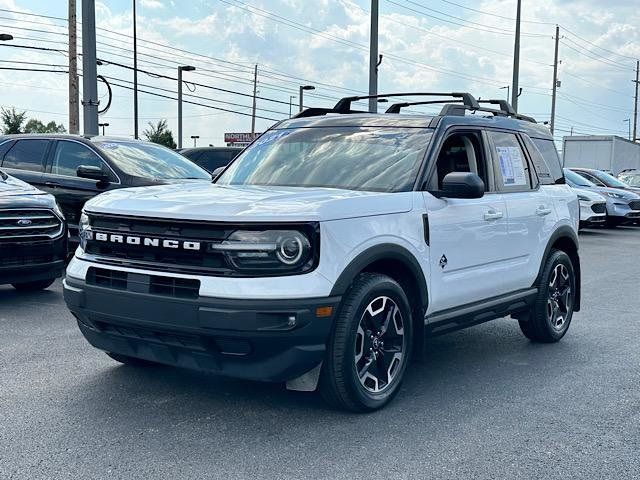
<point x="51" y="184"/>
<point x="492" y="215"/>
<point x="543" y="210"/>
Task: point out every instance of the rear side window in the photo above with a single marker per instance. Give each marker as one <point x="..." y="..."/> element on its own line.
<point x="551" y="159"/>
<point x="70" y="155"/>
<point x="512" y="168"/>
<point x="26" y="155"/>
<point x="210" y="160"/>
<point x="4" y="148"/>
<point x="539" y="163"/>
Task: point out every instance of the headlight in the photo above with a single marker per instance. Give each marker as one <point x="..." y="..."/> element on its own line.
<point x="83" y="229"/>
<point x="275" y="250"/>
<point x="582" y="198"/>
<point x="614" y="195"/>
<point x="58" y="210"/>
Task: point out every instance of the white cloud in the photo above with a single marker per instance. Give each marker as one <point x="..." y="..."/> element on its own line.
<point x="152" y="4"/>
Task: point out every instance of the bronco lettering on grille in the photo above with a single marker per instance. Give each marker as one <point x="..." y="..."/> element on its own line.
<point x="146" y="241"/>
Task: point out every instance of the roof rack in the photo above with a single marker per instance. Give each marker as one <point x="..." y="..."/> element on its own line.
<point x="344" y="105"/>
<point x="396" y="107"/>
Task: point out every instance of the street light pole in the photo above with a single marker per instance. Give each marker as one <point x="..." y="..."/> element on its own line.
<point x="103" y="125"/>
<point x="291" y="97"/>
<point x="182" y="68"/>
<point x="508" y="89"/>
<point x="302" y="89"/>
<point x="555" y="82"/>
<point x="516" y="62"/>
<point x="195" y="139"/>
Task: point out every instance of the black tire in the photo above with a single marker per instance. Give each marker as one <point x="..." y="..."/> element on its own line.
<point x="34" y="286"/>
<point x="340" y="384"/>
<point x="551" y="315"/>
<point x="131" y="361"/>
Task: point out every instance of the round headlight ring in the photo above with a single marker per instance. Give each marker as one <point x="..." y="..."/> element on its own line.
<point x="290" y="249"/>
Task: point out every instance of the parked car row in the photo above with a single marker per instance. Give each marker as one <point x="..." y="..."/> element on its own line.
<point x="619" y="203"/>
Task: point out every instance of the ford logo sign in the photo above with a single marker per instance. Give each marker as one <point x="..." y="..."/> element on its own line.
<point x="24" y="222"/>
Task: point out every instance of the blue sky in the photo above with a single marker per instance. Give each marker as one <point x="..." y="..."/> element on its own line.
<point x="435" y="45"/>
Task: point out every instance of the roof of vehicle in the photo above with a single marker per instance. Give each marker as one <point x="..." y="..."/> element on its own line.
<point x="416" y="121"/>
<point x="68" y="136"/>
<point x="199" y="149"/>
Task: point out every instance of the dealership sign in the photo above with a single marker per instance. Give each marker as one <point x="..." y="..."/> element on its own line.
<point x="240" y="138"/>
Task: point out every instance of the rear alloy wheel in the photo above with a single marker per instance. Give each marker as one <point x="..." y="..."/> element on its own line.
<point x="551" y="314"/>
<point x="370" y="345"/>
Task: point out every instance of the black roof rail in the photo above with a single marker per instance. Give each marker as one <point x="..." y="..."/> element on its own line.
<point x="396" y="107"/>
<point x="507" y="109"/>
<point x="344" y="104"/>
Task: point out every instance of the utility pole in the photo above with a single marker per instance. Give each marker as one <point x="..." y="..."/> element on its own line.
<point x="635" y="103"/>
<point x="555" y="82"/>
<point x="373" y="58"/>
<point x="291" y="97"/>
<point x="74" y="112"/>
<point x="182" y="68"/>
<point x="515" y="90"/>
<point x="89" y="68"/>
<point x="135" y="73"/>
<point x="255" y="92"/>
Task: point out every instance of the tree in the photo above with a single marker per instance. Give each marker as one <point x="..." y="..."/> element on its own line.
<point x="160" y="133"/>
<point x="12" y="120"/>
<point x="36" y="126"/>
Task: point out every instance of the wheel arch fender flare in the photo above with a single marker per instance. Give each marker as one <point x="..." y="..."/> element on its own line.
<point x="564" y="234"/>
<point x="371" y="255"/>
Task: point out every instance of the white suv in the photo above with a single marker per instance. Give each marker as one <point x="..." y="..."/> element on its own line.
<point x="331" y="246"/>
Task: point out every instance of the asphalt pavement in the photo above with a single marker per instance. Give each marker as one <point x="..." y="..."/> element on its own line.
<point x="485" y="404"/>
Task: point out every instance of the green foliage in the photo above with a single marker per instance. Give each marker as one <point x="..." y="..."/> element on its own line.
<point x="160" y="134"/>
<point x="12" y="120"/>
<point x="36" y="126"/>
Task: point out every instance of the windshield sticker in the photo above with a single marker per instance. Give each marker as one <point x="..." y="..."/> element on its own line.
<point x="512" y="166"/>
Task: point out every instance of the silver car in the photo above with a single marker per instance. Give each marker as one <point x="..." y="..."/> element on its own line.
<point x="623" y="206"/>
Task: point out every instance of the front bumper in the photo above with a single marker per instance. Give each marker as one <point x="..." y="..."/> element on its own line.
<point x="271" y="340"/>
<point x="22" y="262"/>
<point x="590" y="217"/>
<point x="622" y="211"/>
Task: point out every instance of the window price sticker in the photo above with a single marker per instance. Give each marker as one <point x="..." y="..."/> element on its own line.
<point x="512" y="166"/>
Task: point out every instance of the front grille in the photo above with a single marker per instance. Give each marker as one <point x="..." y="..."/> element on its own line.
<point x="139" y="283"/>
<point x="599" y="207"/>
<point x="634" y="204"/>
<point x="29" y="225"/>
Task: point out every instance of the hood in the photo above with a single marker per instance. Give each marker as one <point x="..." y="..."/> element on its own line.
<point x="12" y="186"/>
<point x="211" y="202"/>
<point x="590" y="194"/>
<point x="627" y="195"/>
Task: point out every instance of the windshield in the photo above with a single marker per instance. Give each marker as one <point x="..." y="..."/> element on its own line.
<point x="632" y="180"/>
<point x="354" y="158"/>
<point x="148" y="160"/>
<point x="608" y="180"/>
<point x="575" y="180"/>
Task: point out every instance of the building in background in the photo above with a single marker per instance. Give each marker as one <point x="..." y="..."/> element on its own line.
<point x="603" y="152"/>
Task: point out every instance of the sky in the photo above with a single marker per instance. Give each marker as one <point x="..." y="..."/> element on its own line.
<point x="435" y="45"/>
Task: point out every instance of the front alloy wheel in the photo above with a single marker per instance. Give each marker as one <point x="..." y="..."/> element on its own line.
<point x="560" y="301"/>
<point x="369" y="348"/>
<point x="379" y="345"/>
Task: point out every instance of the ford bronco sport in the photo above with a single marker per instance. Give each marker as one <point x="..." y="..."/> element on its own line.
<point x="329" y="248"/>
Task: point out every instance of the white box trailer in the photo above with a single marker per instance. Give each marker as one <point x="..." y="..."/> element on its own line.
<point x="603" y="152"/>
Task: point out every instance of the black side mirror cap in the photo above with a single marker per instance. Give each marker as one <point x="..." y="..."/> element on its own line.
<point x="462" y="185"/>
<point x="92" y="173"/>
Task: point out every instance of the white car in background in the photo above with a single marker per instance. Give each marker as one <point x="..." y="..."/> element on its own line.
<point x="593" y="208"/>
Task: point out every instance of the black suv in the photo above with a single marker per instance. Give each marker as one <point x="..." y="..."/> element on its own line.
<point x="33" y="236"/>
<point x="74" y="168"/>
<point x="211" y="158"/>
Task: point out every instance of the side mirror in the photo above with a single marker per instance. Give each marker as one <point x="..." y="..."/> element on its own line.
<point x="216" y="173"/>
<point x="462" y="185"/>
<point x="93" y="173"/>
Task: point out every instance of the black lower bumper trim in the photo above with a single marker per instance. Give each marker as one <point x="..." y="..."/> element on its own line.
<point x="271" y="340"/>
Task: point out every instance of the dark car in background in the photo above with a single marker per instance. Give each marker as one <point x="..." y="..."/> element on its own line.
<point x="33" y="236"/>
<point x="211" y="158"/>
<point x="74" y="168"/>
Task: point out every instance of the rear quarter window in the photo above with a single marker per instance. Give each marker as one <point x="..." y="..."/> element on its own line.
<point x="545" y="160"/>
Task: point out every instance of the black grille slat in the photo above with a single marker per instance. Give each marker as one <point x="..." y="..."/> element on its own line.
<point x="153" y="284"/>
<point x="599" y="207"/>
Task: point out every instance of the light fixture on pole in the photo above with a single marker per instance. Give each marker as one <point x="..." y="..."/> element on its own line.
<point x="182" y="68"/>
<point x="195" y="139"/>
<point x="4" y="37"/>
<point x="103" y="125"/>
<point x="291" y="97"/>
<point x="301" y="96"/>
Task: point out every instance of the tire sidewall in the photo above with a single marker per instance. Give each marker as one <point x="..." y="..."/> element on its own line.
<point x="383" y="287"/>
